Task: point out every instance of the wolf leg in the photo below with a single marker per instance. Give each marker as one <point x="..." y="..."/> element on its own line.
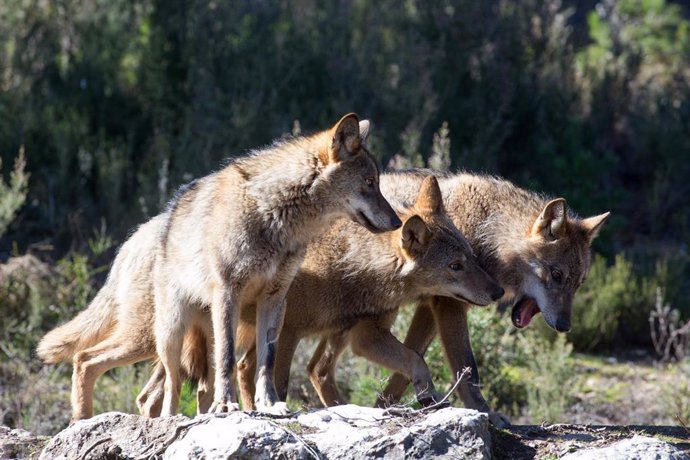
<point x="117" y="350"/>
<point x="246" y="370"/>
<point x="270" y="314"/>
<point x="150" y="398"/>
<point x="321" y="368"/>
<point x="422" y="331"/>
<point x="372" y="339"/>
<point x="269" y="321"/>
<point x="287" y="344"/>
<point x="451" y="321"/>
<point x="201" y="353"/>
<point x="224" y="317"/>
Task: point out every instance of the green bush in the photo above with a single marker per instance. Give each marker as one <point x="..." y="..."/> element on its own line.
<point x="13" y="194"/>
<point x="37" y="296"/>
<point x="118" y="105"/>
<point x="607" y="294"/>
<point x="34" y="298"/>
<point x="676" y="394"/>
<point x="612" y="307"/>
<point x="550" y="377"/>
<point x="523" y="373"/>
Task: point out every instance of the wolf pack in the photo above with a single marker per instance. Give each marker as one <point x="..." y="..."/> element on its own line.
<point x="308" y="239"/>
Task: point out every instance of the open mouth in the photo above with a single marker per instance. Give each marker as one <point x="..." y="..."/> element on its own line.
<point x="369" y="225"/>
<point x="523" y="311"/>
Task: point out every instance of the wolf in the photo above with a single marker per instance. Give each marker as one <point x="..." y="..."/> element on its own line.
<point x="113" y="330"/>
<point x="230" y="240"/>
<point x="536" y="247"/>
<point x="350" y="285"/>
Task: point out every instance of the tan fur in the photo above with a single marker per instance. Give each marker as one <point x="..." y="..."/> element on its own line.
<point x="115" y="329"/>
<point x="232" y="238"/>
<point x="521" y="238"/>
<point x="349" y="288"/>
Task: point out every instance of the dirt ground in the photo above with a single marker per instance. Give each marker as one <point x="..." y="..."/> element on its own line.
<point x="552" y="442"/>
<point x="629" y="389"/>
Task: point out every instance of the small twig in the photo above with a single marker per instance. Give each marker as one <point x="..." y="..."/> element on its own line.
<point x="314" y="453"/>
<point x="95" y="444"/>
<point x="347" y="419"/>
<point x="404" y="410"/>
<point x="443" y="400"/>
<point x="268" y="415"/>
<point x="682" y="423"/>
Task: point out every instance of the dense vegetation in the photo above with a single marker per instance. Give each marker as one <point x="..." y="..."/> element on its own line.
<point x="116" y="103"/>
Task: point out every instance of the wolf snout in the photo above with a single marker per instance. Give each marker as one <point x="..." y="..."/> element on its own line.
<point x="395" y="222"/>
<point x="497" y="293"/>
<point x="562" y="325"/>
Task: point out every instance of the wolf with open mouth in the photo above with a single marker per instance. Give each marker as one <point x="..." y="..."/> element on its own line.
<point x="536" y="248"/>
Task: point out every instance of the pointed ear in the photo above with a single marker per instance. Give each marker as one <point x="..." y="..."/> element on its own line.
<point x="592" y="225"/>
<point x="346" y="138"/>
<point x="415" y="235"/>
<point x="552" y="222"/>
<point x="429" y="198"/>
<point x="364" y="126"/>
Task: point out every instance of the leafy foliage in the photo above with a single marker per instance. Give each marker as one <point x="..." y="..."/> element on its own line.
<point x="118" y="102"/>
<point x="13" y="194"/>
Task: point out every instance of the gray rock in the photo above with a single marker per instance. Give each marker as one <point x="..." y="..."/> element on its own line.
<point x="20" y="444"/>
<point x="350" y="432"/>
<point x="111" y="435"/>
<point x="637" y="448"/>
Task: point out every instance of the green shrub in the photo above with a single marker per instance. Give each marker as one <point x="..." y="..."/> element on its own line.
<point x="612" y="307"/>
<point x="607" y="294"/>
<point x="551" y="375"/>
<point x="13" y="194"/>
<point x="676" y="394"/>
<point x="523" y="373"/>
<point x="35" y="297"/>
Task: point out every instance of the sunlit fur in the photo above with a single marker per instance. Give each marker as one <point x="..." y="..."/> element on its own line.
<point x="349" y="278"/>
<point x="512" y="233"/>
<point x="234" y="237"/>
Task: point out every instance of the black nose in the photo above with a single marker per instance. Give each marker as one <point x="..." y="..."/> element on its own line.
<point x="396" y="222"/>
<point x="562" y="325"/>
<point x="498" y="293"/>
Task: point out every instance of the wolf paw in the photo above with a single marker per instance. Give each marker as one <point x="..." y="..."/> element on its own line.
<point x="223" y="407"/>
<point x="499" y="420"/>
<point x="277" y="408"/>
<point x="432" y="400"/>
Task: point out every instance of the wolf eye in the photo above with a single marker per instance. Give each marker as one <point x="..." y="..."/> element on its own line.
<point x="456" y="267"/>
<point x="369" y="182"/>
<point x="557" y="275"/>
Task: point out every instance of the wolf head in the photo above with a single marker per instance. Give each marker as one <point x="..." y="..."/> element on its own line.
<point x="443" y="261"/>
<point x="355" y="177"/>
<point x="557" y="255"/>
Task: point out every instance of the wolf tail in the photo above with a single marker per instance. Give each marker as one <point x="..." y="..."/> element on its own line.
<point x="86" y="329"/>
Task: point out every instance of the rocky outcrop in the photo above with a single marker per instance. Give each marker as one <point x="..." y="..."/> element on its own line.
<point x="20" y="444"/>
<point x="637" y="447"/>
<point x="341" y="432"/>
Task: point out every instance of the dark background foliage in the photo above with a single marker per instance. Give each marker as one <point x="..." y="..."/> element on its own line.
<point x="118" y="102"/>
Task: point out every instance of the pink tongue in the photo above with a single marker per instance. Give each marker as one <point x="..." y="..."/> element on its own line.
<point x="527" y="312"/>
